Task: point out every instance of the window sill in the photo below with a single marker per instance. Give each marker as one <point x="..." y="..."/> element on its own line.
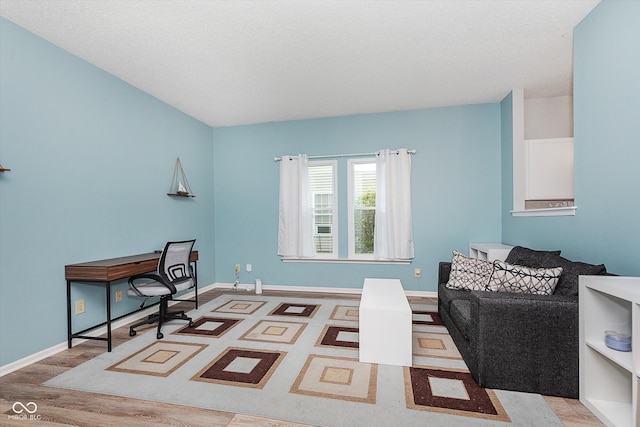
<point x="565" y="211"/>
<point x="349" y="261"/>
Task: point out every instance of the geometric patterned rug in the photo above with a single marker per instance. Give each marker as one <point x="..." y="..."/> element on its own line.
<point x="296" y="359"/>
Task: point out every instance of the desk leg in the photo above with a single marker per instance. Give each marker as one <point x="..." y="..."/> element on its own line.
<point x="195" y="277"/>
<point x="108" y="288"/>
<point x="69" y="333"/>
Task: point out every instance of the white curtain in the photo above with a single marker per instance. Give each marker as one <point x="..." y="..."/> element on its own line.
<point x="393" y="223"/>
<point x="295" y="225"/>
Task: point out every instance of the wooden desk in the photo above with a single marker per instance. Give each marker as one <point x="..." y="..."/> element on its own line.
<point x="103" y="272"/>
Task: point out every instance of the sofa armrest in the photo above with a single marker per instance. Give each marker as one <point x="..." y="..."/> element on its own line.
<point x="521" y="318"/>
<point x="523" y="298"/>
<point x="444" y="269"/>
<point x="530" y="340"/>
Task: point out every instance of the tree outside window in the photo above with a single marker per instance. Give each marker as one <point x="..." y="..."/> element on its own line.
<point x="365" y="223"/>
<point x="362" y="181"/>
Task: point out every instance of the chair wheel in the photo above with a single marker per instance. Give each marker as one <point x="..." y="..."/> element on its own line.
<point x="132" y="333"/>
<point x="191" y="324"/>
<point x="160" y="336"/>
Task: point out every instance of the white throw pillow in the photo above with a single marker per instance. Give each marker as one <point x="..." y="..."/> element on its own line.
<point x="469" y="273"/>
<point x="519" y="279"/>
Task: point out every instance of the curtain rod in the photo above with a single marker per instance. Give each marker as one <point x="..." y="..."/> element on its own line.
<point x="333" y="156"/>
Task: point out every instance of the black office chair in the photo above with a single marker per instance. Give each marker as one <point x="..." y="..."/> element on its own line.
<point x="174" y="275"/>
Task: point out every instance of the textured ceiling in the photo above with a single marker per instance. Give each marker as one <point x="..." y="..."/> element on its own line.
<point x="240" y="62"/>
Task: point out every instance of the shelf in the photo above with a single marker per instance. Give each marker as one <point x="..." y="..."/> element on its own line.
<point x="617" y="414"/>
<point x="623" y="358"/>
<point x="4" y="169"/>
<point x="179" y="185"/>
<point x="567" y="211"/>
<point x="609" y="378"/>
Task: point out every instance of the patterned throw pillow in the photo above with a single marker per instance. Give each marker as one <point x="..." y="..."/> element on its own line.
<point x="519" y="279"/>
<point x="469" y="273"/>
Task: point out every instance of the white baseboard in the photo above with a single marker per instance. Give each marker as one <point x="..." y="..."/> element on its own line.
<point x="47" y="352"/>
<point x="352" y="291"/>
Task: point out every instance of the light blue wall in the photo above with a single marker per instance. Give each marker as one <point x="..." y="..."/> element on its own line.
<point x="91" y="162"/>
<point x="456" y="189"/>
<point x="92" y="159"/>
<point x="606" y="227"/>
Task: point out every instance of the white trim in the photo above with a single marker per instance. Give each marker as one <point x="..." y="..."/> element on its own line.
<point x="351" y="260"/>
<point x="565" y="211"/>
<point x="320" y="289"/>
<point x="518" y="159"/>
<point x="32" y="358"/>
<point x="55" y="349"/>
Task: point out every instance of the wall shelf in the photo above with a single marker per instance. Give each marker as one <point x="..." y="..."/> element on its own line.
<point x="179" y="185"/>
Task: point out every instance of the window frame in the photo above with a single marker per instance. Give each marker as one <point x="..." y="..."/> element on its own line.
<point x="334" y="210"/>
<point x="337" y="256"/>
<point x="352" y="255"/>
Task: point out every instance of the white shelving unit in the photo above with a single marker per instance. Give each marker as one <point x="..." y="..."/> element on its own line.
<point x="609" y="378"/>
<point x="489" y="251"/>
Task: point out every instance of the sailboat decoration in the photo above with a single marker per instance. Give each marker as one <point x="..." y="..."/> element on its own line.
<point x="179" y="184"/>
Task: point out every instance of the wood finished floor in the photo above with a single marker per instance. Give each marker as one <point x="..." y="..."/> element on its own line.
<point x="61" y="407"/>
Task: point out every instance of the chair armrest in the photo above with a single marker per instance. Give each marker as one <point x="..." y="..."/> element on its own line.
<point x="152" y="276"/>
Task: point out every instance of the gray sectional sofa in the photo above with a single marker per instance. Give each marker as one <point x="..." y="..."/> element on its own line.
<point x="519" y="341"/>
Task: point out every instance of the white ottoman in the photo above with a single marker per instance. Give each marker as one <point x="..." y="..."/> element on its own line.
<point x="385" y="323"/>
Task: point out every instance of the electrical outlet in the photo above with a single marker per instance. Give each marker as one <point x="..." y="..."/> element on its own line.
<point x="118" y="296"/>
<point x="80" y="306"/>
<point x="248" y="268"/>
<point x="417" y="272"/>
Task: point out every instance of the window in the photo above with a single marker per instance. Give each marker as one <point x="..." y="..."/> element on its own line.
<point x="322" y="184"/>
<point x="348" y="234"/>
<point x="362" y="207"/>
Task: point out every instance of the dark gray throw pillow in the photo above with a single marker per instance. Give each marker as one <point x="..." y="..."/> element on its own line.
<point x="520" y="255"/>
<point x="568" y="284"/>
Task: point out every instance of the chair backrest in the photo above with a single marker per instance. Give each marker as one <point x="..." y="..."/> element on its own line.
<point x="174" y="265"/>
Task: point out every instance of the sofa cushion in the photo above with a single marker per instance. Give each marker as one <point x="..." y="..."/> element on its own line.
<point x="461" y="315"/>
<point x="520" y="255"/>
<point x="516" y="278"/>
<point x="568" y="284"/>
<point x="469" y="273"/>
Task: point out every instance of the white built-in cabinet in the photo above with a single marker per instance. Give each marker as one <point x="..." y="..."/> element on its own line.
<point x="542" y="155"/>
<point x="549" y="168"/>
<point x="609" y="378"/>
